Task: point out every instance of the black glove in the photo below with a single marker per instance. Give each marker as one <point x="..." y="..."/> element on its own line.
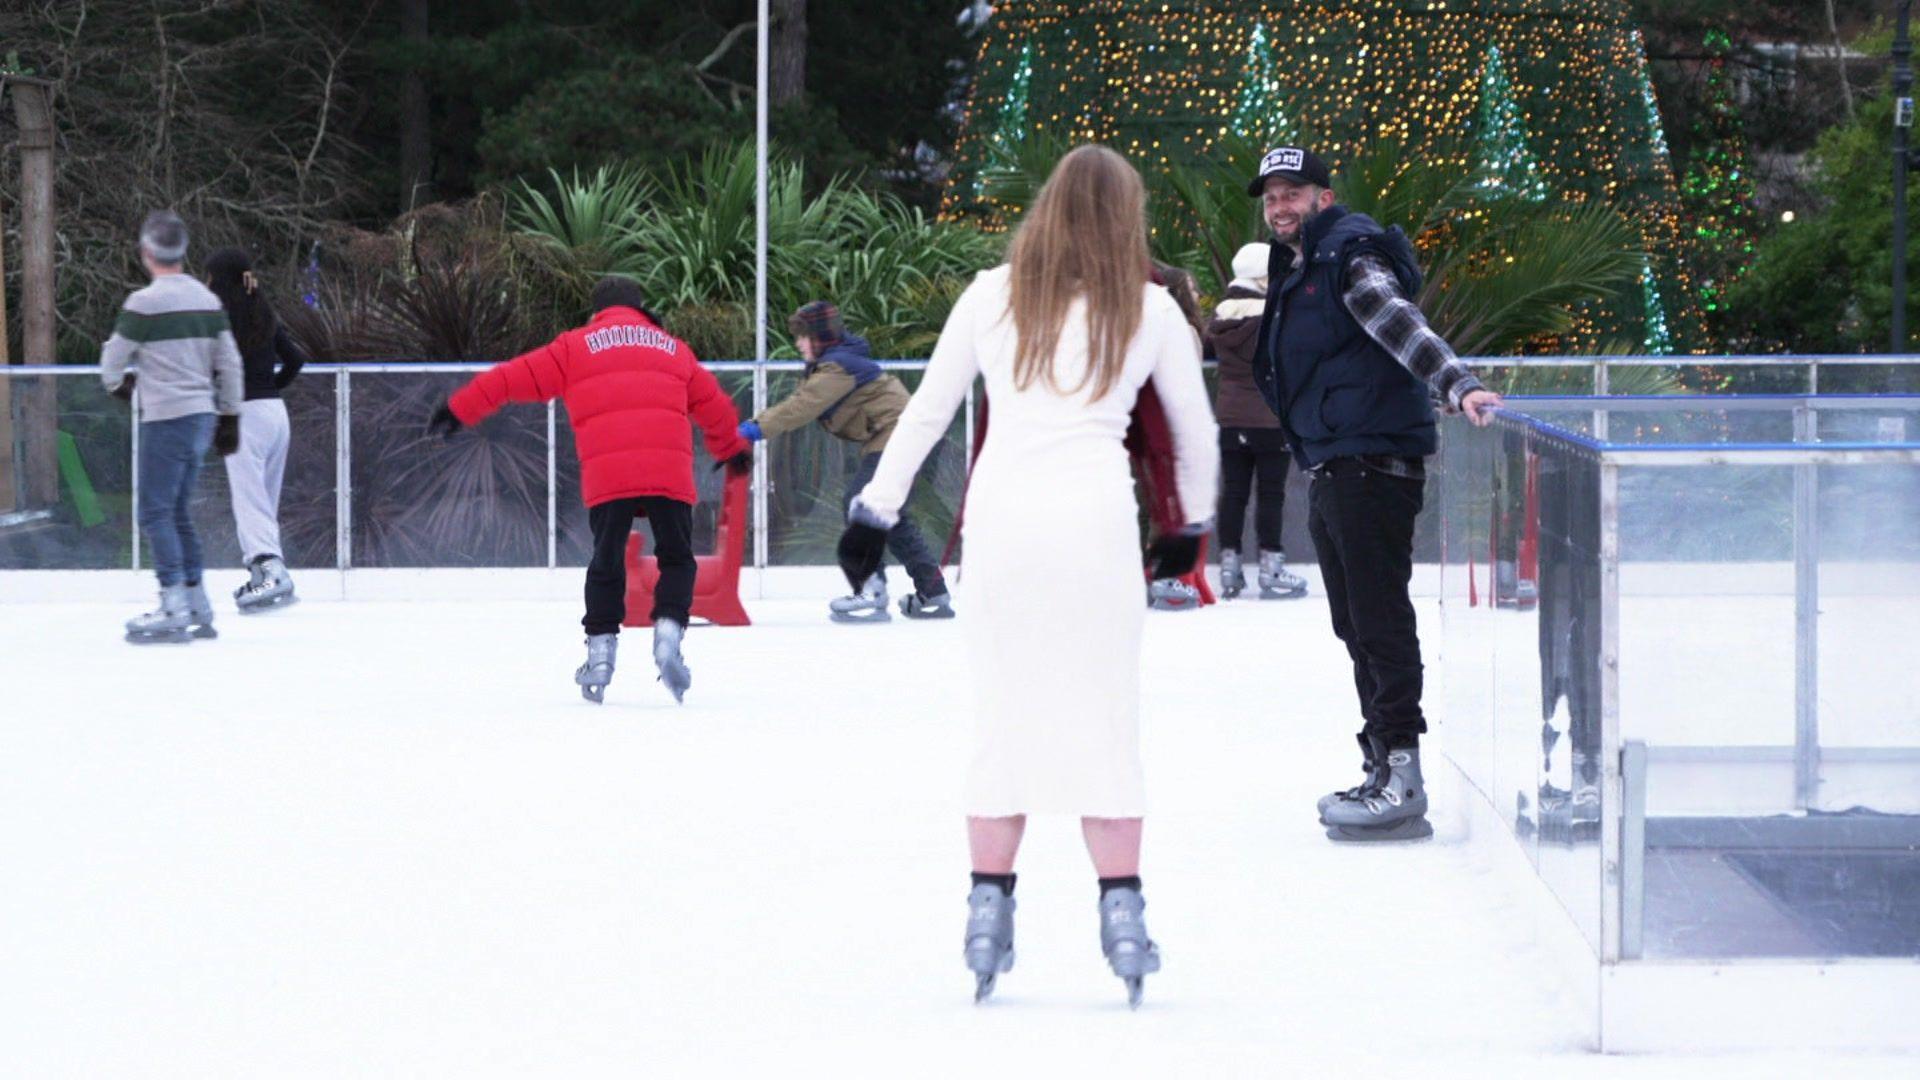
<point x="444" y="423"/>
<point x="862" y="547"/>
<point x="125" y="390"/>
<point x="739" y="464"/>
<point x="226" y="435"/>
<point x="1173" y="555"/>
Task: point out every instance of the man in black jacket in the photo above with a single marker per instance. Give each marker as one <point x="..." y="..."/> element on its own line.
<point x="1349" y="364"/>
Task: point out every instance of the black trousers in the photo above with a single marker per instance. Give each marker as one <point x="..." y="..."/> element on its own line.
<point x="1253" y="464"/>
<point x="905" y="540"/>
<point x="612" y="522"/>
<point x="1361" y="521"/>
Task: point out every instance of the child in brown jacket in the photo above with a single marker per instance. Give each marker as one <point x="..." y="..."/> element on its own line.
<point x="853" y="399"/>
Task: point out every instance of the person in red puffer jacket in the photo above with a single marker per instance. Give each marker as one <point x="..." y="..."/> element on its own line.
<point x="630" y="389"/>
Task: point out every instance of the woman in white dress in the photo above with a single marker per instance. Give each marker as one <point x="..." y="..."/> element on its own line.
<point x="1065" y="335"/>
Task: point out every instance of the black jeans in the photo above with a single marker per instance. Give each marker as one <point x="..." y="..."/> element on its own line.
<point x="1253" y="463"/>
<point x="905" y="540"/>
<point x="612" y="522"/>
<point x="1361" y="520"/>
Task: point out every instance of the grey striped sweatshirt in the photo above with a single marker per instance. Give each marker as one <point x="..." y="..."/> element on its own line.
<point x="175" y="333"/>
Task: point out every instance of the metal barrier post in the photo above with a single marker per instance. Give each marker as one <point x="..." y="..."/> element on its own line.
<point x="342" y="470"/>
<point x="1806" y="617"/>
<point x="1633" y="855"/>
<point x="553" y="519"/>
<point x="1612" y="791"/>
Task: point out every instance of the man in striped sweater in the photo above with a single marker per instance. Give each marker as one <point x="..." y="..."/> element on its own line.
<point x="173" y="334"/>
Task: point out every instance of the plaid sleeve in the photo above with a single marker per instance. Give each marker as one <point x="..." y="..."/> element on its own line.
<point x="1373" y="296"/>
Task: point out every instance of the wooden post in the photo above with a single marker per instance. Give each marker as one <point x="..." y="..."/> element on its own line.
<point x="38" y="405"/>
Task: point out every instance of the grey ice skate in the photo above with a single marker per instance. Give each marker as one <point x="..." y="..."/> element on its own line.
<point x="1392" y="806"/>
<point x="1276" y="581"/>
<point x="666" y="657"/>
<point x="594" y="675"/>
<point x="1233" y="577"/>
<point x="1366" y="777"/>
<point x="869" y="605"/>
<point x="1172" y="594"/>
<point x="200" y="612"/>
<point x="921" y="606"/>
<point x="1123" y="938"/>
<point x="268" y="586"/>
<point x="989" y="944"/>
<point x="166" y="624"/>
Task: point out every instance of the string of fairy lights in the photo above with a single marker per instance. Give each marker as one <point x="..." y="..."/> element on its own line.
<point x="1555" y="94"/>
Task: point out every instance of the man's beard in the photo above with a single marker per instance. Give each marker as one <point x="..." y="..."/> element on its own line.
<point x="1306" y="218"/>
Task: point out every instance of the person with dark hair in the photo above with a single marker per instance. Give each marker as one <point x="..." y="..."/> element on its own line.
<point x="853" y="399"/>
<point x="174" y="339"/>
<point x="630" y="389"/>
<point x="269" y="361"/>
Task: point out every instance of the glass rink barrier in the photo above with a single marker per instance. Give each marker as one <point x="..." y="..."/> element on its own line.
<point x="1681" y="662"/>
<point x="367" y="487"/>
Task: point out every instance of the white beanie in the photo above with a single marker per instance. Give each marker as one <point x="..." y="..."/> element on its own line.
<point x="1250" y="262"/>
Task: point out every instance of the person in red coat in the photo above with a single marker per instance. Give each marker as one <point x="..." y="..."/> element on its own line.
<point x="630" y="389"/>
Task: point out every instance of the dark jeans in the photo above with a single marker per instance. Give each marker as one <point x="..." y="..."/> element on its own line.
<point x="170" y="455"/>
<point x="1253" y="462"/>
<point x="612" y="522"/>
<point x="905" y="540"/>
<point x="1361" y="521"/>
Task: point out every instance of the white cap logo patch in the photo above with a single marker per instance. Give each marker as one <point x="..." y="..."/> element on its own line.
<point x="1285" y="159"/>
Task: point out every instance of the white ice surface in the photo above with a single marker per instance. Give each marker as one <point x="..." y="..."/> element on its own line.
<point x="388" y="838"/>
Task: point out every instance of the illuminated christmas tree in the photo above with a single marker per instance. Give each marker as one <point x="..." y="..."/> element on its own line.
<point x="1553" y="93"/>
<point x="1717" y="191"/>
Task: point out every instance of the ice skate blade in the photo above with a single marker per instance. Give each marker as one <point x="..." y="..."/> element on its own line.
<point x="205" y="632"/>
<point x="158" y="637"/>
<point x="1283" y="594"/>
<point x="987" y="970"/>
<point x="261" y="607"/>
<point x="677" y="679"/>
<point x="1407" y="830"/>
<point x="1174" y="605"/>
<point x="1136" y="989"/>
<point x="851" y="617"/>
<point x="928" y="613"/>
<point x="594" y="693"/>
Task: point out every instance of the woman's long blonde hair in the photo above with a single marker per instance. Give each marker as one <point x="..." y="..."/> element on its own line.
<point x="1086" y="236"/>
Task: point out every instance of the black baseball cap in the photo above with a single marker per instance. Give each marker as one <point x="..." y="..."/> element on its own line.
<point x="1293" y="163"/>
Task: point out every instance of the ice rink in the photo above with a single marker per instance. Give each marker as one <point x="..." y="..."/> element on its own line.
<point x="387" y="837"/>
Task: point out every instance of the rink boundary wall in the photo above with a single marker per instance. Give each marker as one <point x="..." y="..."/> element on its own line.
<point x="452" y="584"/>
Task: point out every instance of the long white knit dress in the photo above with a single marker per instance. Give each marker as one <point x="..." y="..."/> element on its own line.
<point x="1053" y="596"/>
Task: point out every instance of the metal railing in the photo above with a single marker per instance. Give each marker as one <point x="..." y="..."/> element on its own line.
<point x="342" y="377"/>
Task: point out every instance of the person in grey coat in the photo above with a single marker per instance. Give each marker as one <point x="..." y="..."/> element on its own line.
<point x="173" y="356"/>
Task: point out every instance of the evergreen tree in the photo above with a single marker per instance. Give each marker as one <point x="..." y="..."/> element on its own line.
<point x="1554" y="90"/>
<point x="1717" y="191"/>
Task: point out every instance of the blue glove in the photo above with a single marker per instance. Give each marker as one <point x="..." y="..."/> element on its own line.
<point x="750" y="431"/>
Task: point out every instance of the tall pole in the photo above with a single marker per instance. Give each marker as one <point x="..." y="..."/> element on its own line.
<point x="1902" y="126"/>
<point x="760" y="470"/>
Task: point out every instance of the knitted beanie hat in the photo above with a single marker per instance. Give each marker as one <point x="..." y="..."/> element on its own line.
<point x="818" y="320"/>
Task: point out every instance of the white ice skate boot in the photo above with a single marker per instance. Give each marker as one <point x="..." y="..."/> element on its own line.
<point x="1276" y="581"/>
<point x="918" y="605"/>
<point x="166" y="624"/>
<point x="869" y="605"/>
<point x="1233" y="579"/>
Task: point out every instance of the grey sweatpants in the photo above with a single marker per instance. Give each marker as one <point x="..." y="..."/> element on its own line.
<point x="254" y="473"/>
